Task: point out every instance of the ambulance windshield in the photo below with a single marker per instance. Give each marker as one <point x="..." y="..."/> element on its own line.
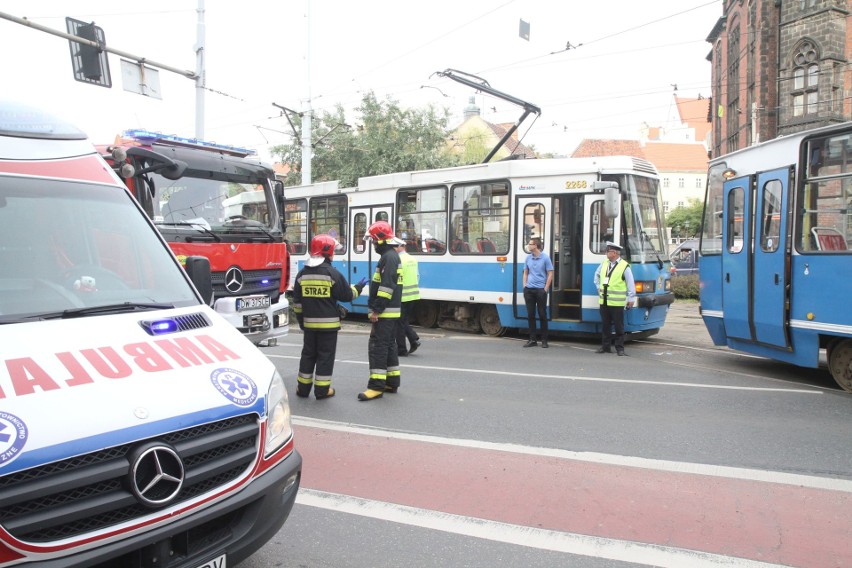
<point x="68" y="245"/>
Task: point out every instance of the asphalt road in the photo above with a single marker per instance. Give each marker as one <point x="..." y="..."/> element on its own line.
<point x="681" y="454"/>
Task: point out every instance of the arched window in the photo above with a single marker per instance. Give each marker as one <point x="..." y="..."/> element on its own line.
<point x="805" y="90"/>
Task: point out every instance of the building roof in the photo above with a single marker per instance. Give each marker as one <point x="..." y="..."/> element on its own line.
<point x="693" y="112"/>
<point x="666" y="157"/>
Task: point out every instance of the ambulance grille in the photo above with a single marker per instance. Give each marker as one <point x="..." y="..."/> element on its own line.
<point x="90" y="492"/>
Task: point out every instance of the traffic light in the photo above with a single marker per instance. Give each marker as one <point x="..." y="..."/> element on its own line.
<point x="90" y="63"/>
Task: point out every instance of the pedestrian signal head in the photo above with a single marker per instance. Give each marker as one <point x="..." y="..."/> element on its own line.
<point x="380" y="232"/>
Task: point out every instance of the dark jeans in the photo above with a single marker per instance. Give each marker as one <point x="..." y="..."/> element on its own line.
<point x="612" y="316"/>
<point x="536" y="301"/>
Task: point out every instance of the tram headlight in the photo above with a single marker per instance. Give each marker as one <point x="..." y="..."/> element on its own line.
<point x="645" y="287"/>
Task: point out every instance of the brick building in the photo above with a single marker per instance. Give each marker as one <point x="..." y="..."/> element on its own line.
<point x="778" y="67"/>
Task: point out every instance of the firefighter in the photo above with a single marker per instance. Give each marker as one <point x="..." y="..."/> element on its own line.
<point x="384" y="304"/>
<point x="316" y="291"/>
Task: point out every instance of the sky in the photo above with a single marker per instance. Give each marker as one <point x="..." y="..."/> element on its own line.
<point x="597" y="69"/>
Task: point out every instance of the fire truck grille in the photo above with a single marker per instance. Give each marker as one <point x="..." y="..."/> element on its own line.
<point x="72" y="497"/>
<point x="254" y="282"/>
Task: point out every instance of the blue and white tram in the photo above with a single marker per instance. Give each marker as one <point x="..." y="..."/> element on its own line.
<point x="774" y="256"/>
<point x="469" y="227"/>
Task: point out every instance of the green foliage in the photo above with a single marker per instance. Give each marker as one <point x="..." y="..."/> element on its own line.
<point x="388" y="139"/>
<point x="686" y="221"/>
<point x="685" y="287"/>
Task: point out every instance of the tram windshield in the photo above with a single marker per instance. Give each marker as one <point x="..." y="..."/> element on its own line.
<point x="644" y="229"/>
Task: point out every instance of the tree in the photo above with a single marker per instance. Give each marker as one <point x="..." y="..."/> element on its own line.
<point x="686" y="221"/>
<point x="389" y="139"/>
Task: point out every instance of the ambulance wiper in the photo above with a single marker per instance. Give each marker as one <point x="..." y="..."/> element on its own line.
<point x="110" y="309"/>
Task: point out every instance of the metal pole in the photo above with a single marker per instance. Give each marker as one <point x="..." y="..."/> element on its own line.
<point x="200" y="78"/>
<point x="84" y="41"/>
<point x="307" y="151"/>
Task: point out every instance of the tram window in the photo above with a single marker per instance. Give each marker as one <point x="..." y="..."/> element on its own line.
<point x="736" y="203"/>
<point x="770" y="233"/>
<point x="824" y="221"/>
<point x="479" y="219"/>
<point x="600" y="230"/>
<point x="359" y="229"/>
<point x="534" y="219"/>
<point x="422" y="219"/>
<point x="296" y="221"/>
<point x="329" y="216"/>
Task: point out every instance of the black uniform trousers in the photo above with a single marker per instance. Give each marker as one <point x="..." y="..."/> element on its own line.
<point x="612" y="316"/>
<point x="382" y="352"/>
<point x="318" y="351"/>
<point x="403" y="329"/>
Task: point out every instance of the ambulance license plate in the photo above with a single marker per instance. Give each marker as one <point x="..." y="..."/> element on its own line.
<point x="252" y="303"/>
<point x="218" y="562"/>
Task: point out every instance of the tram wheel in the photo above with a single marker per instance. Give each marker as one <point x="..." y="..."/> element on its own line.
<point x="489" y="320"/>
<point x="426" y="313"/>
<point x="840" y="364"/>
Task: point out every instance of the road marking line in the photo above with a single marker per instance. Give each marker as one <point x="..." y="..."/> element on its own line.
<point x="514" y="374"/>
<point x="570" y="543"/>
<point x="728" y="472"/>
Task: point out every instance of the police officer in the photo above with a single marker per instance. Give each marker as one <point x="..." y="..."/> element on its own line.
<point x="616" y="289"/>
<point x="410" y="294"/>
<point x="384" y="304"/>
<point x="317" y="289"/>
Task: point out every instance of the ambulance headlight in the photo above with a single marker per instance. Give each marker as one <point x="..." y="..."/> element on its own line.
<point x="278" y="426"/>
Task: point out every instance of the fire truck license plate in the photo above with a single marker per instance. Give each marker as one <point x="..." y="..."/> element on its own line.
<point x="252" y="303"/>
<point x="218" y="562"/>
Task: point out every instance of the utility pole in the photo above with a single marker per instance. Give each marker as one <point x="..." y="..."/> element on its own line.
<point x="307" y="150"/>
<point x="200" y="77"/>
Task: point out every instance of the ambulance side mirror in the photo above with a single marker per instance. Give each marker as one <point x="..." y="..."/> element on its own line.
<point x="198" y="270"/>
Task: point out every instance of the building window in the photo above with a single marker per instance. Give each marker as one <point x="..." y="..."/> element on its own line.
<point x="665" y="206"/>
<point x="698" y="183"/>
<point x="805" y="80"/>
<point x="665" y="182"/>
<point x="806" y="4"/>
<point x="680" y="182"/>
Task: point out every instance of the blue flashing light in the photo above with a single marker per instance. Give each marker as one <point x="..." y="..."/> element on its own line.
<point x="265" y="281"/>
<point x="160" y="327"/>
<point x="149" y="137"/>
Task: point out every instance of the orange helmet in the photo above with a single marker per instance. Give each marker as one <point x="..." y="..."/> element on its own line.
<point x="380" y="232"/>
<point x="323" y="246"/>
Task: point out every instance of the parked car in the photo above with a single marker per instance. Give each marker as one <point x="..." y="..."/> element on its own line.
<point x="685" y="258"/>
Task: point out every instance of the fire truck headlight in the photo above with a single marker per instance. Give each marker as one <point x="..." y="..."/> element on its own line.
<point x="278" y="426"/>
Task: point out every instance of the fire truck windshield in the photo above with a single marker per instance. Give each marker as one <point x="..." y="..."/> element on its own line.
<point x="213" y="205"/>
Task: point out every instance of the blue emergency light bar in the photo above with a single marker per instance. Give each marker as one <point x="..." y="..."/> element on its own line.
<point x="150" y="137"/>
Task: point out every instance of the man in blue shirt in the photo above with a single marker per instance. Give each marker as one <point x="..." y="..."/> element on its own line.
<point x="538" y="276"/>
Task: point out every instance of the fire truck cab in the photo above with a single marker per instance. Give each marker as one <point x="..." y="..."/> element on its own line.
<point x="219" y="202"/>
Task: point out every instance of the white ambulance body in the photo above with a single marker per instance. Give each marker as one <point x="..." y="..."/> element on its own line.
<point x="137" y="427"/>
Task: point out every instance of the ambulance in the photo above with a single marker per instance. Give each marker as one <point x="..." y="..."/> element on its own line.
<point x="137" y="427"/>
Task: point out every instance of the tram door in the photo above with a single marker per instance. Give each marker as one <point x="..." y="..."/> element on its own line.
<point x="362" y="256"/>
<point x="737" y="284"/>
<point x="567" y="255"/>
<point x="770" y="257"/>
<point x="533" y="219"/>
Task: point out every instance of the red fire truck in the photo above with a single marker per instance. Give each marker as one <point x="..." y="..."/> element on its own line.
<point x="219" y="202"/>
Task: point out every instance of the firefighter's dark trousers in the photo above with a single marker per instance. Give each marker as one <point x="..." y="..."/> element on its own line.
<point x="317" y="363"/>
<point x="382" y="351"/>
